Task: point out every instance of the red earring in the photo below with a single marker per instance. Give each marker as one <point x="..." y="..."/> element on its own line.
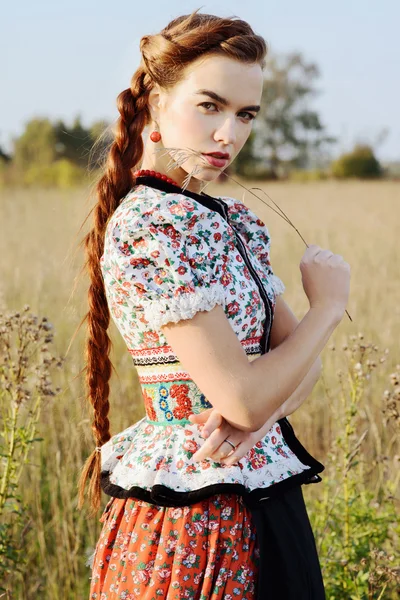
<point x="155" y="136"/>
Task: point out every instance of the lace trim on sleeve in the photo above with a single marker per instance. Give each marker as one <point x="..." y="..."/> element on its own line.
<point x="185" y="306"/>
<point x="277" y="284"/>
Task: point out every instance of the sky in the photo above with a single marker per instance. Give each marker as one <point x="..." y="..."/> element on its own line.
<point x="73" y="58"/>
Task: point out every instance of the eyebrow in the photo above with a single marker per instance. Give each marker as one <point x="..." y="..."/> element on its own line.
<point x="218" y="98"/>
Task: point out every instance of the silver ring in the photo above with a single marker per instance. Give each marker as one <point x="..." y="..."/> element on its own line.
<point x="233" y="446"/>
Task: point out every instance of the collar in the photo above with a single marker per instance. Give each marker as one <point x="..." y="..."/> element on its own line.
<point x="213" y="204"/>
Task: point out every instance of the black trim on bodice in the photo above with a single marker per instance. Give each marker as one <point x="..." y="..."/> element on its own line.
<point x="167" y="497"/>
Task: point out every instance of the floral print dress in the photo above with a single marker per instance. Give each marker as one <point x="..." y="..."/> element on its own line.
<point x="207" y="551"/>
<point x="172" y="523"/>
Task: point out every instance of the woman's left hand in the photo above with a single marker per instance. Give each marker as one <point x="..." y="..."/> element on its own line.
<point x="218" y="429"/>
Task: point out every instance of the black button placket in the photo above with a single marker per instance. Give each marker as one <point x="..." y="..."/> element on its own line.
<point x="266" y="336"/>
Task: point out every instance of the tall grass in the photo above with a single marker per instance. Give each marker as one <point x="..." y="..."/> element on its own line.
<point x="349" y="422"/>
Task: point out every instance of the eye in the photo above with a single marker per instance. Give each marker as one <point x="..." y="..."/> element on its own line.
<point x="249" y="116"/>
<point x="206" y="104"/>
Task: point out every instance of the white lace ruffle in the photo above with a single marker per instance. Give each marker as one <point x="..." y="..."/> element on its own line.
<point x="184" y="306"/>
<point x="147" y="454"/>
<point x="278" y="285"/>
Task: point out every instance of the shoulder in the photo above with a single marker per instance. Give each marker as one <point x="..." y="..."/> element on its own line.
<point x="166" y="218"/>
<point x="239" y="210"/>
<point x="247" y="220"/>
<point x="144" y="206"/>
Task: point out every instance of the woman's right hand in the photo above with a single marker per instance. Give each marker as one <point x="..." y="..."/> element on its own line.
<point x="326" y="278"/>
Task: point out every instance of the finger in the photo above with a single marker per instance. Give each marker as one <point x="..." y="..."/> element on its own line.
<point x="213" y="442"/>
<point x="200" y="417"/>
<point x="214" y="421"/>
<point x="224" y="449"/>
<point x="240" y="451"/>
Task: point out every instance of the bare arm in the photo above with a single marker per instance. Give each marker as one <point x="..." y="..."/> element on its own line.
<point x="247" y="394"/>
<point x="285" y="367"/>
<point x="219" y="429"/>
<point x="294" y="401"/>
<point x="284" y="323"/>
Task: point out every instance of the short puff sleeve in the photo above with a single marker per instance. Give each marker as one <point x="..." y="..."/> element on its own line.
<point x="171" y="259"/>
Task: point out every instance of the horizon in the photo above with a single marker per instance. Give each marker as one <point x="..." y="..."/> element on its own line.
<point x="356" y="50"/>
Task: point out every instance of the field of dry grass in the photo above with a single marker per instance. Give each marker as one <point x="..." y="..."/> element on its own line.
<point x="40" y="260"/>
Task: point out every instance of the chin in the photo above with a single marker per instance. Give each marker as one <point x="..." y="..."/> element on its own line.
<point x="208" y="174"/>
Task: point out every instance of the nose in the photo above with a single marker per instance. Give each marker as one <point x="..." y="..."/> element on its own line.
<point x="226" y="133"/>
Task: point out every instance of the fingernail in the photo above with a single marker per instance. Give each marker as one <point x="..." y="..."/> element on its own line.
<point x="204" y="433"/>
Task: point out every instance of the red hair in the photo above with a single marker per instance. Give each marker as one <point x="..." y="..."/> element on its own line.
<point x="164" y="58"/>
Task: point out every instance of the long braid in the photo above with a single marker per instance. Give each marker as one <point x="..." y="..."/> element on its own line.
<point x="125" y="152"/>
<point x="164" y="58"/>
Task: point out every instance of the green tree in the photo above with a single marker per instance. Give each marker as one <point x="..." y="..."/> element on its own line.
<point x="4" y="156"/>
<point x="288" y="132"/>
<point x="36" y="145"/>
<point x="73" y="143"/>
<point x="56" y="154"/>
<point x="360" y="163"/>
<point x="244" y="164"/>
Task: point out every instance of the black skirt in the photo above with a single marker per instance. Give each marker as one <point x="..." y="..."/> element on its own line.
<point x="289" y="567"/>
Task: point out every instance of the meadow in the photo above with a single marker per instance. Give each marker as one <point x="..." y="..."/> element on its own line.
<point x="350" y="422"/>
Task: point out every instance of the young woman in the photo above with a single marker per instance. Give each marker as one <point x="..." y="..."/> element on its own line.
<point x="188" y="281"/>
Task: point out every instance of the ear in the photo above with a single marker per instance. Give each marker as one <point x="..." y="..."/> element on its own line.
<point x="155" y="102"/>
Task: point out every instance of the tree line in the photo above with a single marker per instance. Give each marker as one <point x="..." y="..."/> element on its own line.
<point x="288" y="138"/>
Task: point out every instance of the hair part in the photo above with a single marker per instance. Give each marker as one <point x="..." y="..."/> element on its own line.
<point x="164" y="58"/>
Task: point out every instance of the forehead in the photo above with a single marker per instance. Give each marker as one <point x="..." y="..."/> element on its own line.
<point x="240" y="83"/>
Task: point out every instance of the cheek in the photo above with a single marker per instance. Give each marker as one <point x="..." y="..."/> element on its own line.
<point x="242" y="137"/>
<point x="185" y="123"/>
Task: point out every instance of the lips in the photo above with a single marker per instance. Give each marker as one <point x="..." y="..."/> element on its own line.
<point x="217" y="159"/>
<point x="218" y="154"/>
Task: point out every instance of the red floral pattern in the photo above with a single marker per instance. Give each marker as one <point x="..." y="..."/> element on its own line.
<point x="206" y="551"/>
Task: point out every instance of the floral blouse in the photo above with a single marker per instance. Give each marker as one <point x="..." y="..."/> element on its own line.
<point x="167" y="255"/>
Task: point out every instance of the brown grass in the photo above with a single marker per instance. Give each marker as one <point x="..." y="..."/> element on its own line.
<point x="358" y="220"/>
